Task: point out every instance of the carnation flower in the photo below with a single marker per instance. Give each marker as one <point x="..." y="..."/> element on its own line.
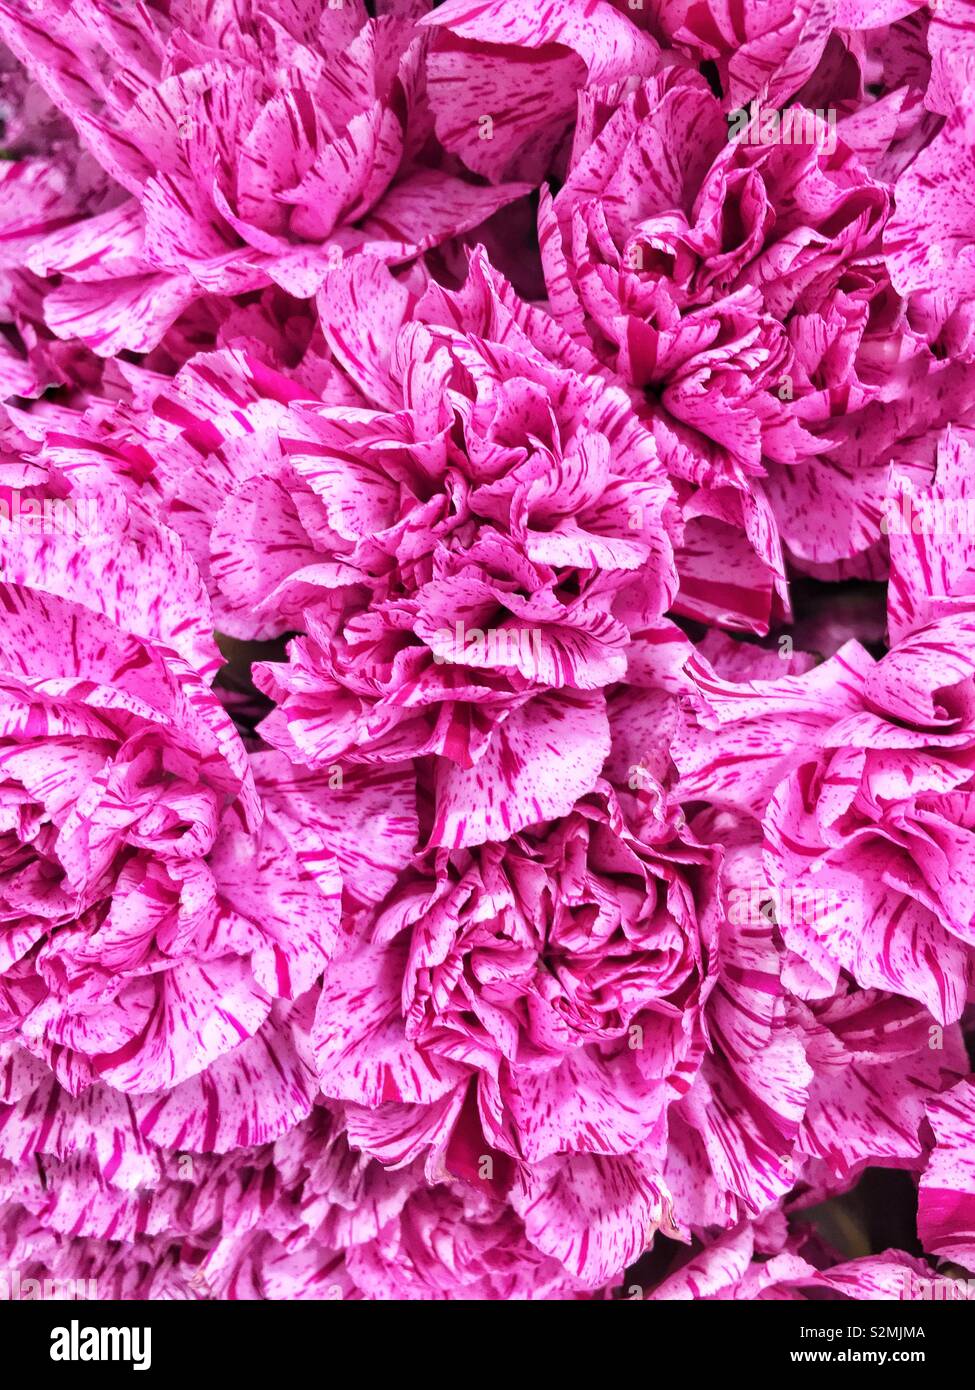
<point x="494" y="548"/>
<point x="523" y="1002"/>
<point x="740" y="288"/>
<point x="859" y="771"/>
<point x="410" y="889"/>
<point x="148" y="909"/>
<point x="253" y="153"/>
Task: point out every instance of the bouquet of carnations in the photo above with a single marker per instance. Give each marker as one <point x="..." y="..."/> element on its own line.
<point x="487" y="648"/>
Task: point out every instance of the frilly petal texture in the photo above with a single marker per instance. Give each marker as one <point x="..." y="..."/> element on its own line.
<point x="487" y="648"/>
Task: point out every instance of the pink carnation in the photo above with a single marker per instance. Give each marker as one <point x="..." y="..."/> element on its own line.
<point x="252" y="154"/>
<point x="487" y="497"/>
<point x="149" y="910"/>
<point x="494" y="553"/>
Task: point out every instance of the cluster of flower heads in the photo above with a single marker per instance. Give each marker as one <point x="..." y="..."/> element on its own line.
<point x="487" y="644"/>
